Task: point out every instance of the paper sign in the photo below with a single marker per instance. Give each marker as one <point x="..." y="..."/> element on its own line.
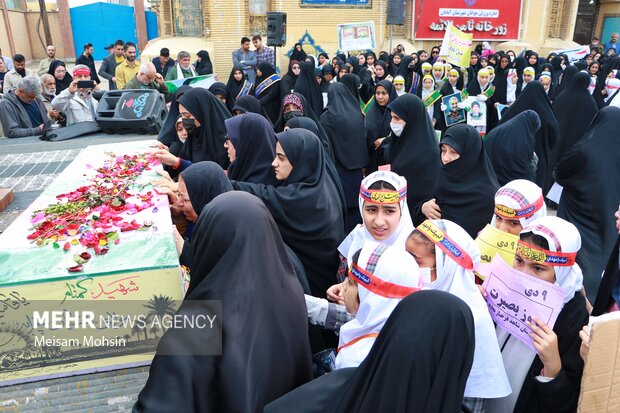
<point x="386" y="167"/>
<point x="356" y="36"/>
<point x="456" y="47"/>
<point x="492" y="241"/>
<point x="477" y="115"/>
<point x="514" y="298"/>
<point x="600" y="383"/>
<point x="555" y="193"/>
<point x="575" y="53"/>
<point x="453" y="114"/>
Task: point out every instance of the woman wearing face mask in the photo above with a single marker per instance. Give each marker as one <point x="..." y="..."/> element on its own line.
<point x="268" y="89"/>
<point x="203" y="118"/>
<point x="547" y="379"/>
<point x="466" y="183"/>
<point x="238" y="85"/>
<point x="451" y="270"/>
<point x="412" y="147"/>
<point x="378" y="119"/>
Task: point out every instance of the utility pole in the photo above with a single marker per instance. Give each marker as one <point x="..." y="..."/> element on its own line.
<point x="46" y="23"/>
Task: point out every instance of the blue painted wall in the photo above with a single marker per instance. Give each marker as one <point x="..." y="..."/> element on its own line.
<point x="104" y="23"/>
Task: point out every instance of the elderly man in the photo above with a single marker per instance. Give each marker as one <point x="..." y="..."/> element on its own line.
<point x="19" y="71"/>
<point x="77" y="104"/>
<point x="44" y="65"/>
<point x="128" y="69"/>
<point x="21" y="110"/>
<point x="183" y="68"/>
<point x="148" y="78"/>
<point x="48" y="93"/>
<point x="110" y="62"/>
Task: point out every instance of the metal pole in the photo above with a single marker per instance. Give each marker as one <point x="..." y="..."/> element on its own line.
<point x="391" y="33"/>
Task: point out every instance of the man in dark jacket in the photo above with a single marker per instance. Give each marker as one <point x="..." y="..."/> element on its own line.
<point x="108" y="66"/>
<point x="163" y="63"/>
<point x="87" y="59"/>
<point x="22" y="112"/>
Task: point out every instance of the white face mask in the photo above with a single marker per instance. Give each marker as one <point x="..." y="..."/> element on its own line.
<point x="397" y="128"/>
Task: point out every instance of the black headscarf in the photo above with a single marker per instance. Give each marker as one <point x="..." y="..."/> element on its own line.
<point x="240" y="260"/>
<point x="287" y="84"/>
<point x="249" y="104"/>
<point x="343" y="121"/>
<point x="378" y="117"/>
<point x="573" y="124"/>
<point x="307" y="208"/>
<point x="385" y="70"/>
<point x="419" y="363"/>
<point x="610" y="281"/>
<point x="219" y="88"/>
<point x="65" y="82"/>
<point x="168" y="133"/>
<point x="589" y="172"/>
<point x="510" y="147"/>
<point x="204" y="181"/>
<point x="255" y="143"/>
<point x="205" y="143"/>
<point x="269" y="97"/>
<point x="299" y="55"/>
<point x="352" y="82"/>
<point x="534" y="97"/>
<point x="409" y="73"/>
<point x="307" y="86"/>
<point x="393" y="67"/>
<point x="234" y="87"/>
<point x="414" y="154"/>
<point x="567" y="78"/>
<point x="556" y="64"/>
<point x="204" y="67"/>
<point x="466" y="187"/>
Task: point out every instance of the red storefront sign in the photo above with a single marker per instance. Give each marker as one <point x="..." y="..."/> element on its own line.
<point x="496" y="20"/>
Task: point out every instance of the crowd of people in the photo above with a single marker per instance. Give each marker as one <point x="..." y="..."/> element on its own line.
<point x="324" y="191"/>
<point x="334" y="211"/>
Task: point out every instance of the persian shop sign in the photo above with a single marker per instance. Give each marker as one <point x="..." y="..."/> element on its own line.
<point x="496" y="20"/>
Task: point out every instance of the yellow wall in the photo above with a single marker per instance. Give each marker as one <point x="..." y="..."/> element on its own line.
<point x="38" y="50"/>
<point x="20" y="37"/>
<point x="4" y="39"/>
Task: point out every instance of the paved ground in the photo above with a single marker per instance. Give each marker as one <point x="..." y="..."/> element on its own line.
<point x="29" y="165"/>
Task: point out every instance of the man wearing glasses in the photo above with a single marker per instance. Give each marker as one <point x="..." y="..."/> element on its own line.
<point x="148" y="78"/>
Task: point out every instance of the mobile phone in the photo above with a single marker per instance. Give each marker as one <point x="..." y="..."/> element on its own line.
<point x="85" y="84"/>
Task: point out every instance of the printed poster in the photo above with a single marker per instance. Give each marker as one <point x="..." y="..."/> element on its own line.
<point x="356" y="36"/>
<point x="453" y="113"/>
<point x="456" y="47"/>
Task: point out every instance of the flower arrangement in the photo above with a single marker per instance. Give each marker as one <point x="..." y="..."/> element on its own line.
<point x="90" y="215"/>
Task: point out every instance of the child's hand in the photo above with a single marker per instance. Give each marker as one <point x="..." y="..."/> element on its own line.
<point x="334" y="293"/>
<point x="584" y="335"/>
<point x="546" y="344"/>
